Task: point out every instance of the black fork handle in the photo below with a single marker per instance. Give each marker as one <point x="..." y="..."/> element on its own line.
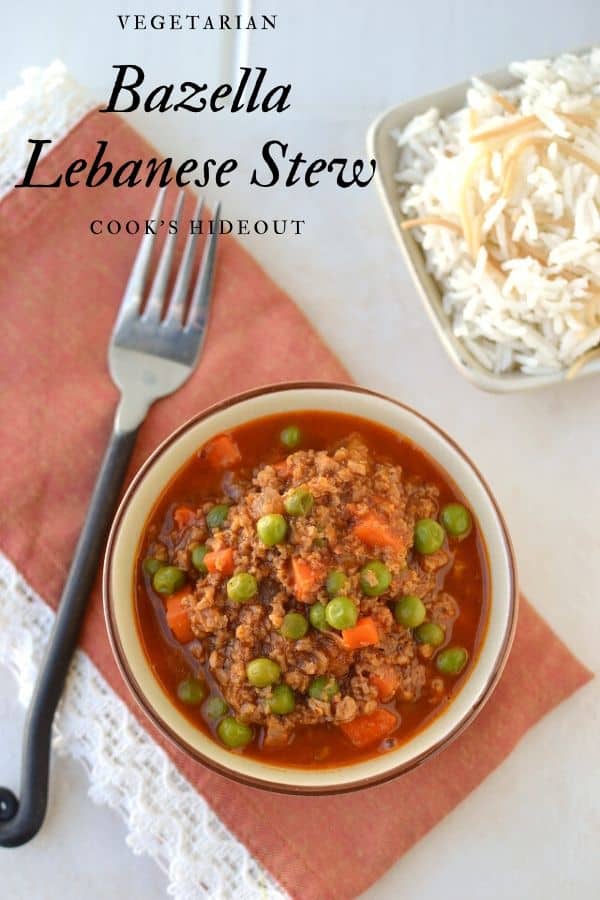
<point x="20" y="820"/>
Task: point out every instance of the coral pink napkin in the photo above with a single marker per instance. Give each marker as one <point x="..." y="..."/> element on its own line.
<point x="59" y="290"/>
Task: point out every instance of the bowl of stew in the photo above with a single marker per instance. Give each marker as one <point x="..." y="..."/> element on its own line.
<point x="310" y="588"/>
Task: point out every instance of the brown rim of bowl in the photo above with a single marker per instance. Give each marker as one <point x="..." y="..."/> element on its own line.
<point x="249" y="780"/>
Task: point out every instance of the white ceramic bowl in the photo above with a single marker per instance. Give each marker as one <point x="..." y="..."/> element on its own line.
<point x="119" y="579"/>
<point x="384" y="149"/>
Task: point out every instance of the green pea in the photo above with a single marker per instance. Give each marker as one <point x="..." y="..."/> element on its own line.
<point x="336" y="582"/>
<point x="263" y="671"/>
<point x="341" y="613"/>
<point x="429" y="536"/>
<point x="198" y="554"/>
<point x="317" y="617"/>
<point x="282" y="700"/>
<point x="151" y="566"/>
<point x="456" y="519"/>
<point x="271" y="529"/>
<point x="168" y="579"/>
<point x="242" y="587"/>
<point x="299" y="502"/>
<point x="451" y="660"/>
<point x="215" y="707"/>
<point x="430" y="633"/>
<point x="192" y="691"/>
<point x="410" y="611"/>
<point x="294" y="626"/>
<point x="234" y="734"/>
<point x="375" y="578"/>
<point x="325" y="687"/>
<point x="290" y="437"/>
<point x="215" y="517"/>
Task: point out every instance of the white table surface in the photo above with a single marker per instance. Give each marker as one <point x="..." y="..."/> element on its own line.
<point x="532" y="829"/>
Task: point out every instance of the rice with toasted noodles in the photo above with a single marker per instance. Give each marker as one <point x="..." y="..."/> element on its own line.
<point x="504" y="198"/>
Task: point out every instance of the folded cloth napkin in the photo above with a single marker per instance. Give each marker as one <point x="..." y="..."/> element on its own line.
<point x="59" y="289"/>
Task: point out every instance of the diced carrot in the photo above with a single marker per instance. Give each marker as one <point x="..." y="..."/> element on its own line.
<point x="178" y="618"/>
<point x="220" y="561"/>
<point x="366" y="730"/>
<point x="385" y="681"/>
<point x="363" y="634"/>
<point x="372" y="530"/>
<point x="183" y="515"/>
<point x="222" y="452"/>
<point x="306" y="579"/>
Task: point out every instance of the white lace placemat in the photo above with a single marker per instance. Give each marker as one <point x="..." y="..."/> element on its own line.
<point x="46" y="104"/>
<point x="164" y="815"/>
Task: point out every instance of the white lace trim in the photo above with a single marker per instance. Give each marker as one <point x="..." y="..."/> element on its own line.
<point x="46" y="104"/>
<point x="165" y="816"/>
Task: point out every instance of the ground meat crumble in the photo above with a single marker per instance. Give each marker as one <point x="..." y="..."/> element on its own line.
<point x="346" y="482"/>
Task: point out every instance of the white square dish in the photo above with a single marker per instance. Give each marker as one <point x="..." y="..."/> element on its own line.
<point x="383" y="148"/>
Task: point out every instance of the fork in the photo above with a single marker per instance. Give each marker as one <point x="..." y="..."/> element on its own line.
<point x="150" y="355"/>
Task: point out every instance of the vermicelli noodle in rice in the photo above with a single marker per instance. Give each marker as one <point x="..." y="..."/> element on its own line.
<point x="504" y="198"/>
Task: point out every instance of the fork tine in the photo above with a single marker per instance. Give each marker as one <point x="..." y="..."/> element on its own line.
<point x="134" y="290"/>
<point x="154" y="304"/>
<point x="176" y="305"/>
<point x="200" y="301"/>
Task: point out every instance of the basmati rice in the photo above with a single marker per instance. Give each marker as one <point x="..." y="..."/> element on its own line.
<point x="504" y="198"/>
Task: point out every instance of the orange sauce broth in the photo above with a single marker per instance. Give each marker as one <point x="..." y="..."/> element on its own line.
<point x="466" y="578"/>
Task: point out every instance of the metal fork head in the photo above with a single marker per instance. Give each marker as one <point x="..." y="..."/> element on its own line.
<point x="156" y="345"/>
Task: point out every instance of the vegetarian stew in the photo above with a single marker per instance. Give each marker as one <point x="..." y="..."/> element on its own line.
<point x="311" y="589"/>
